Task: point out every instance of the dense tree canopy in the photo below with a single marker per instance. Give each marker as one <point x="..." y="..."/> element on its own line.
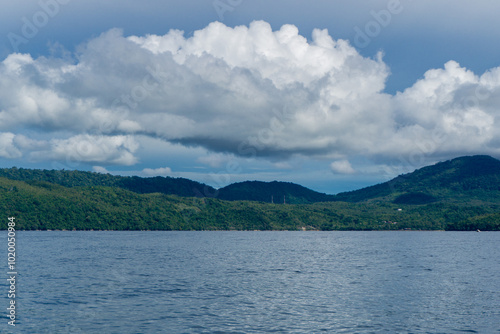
<point x="461" y="194"/>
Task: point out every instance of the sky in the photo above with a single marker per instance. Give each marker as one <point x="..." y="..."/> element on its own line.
<point x="332" y="95"/>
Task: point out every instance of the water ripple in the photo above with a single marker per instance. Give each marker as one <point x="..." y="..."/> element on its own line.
<point x="251" y="282"/>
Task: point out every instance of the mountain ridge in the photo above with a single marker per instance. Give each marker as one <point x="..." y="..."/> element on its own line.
<point x="141" y="185"/>
<point x="461" y="177"/>
<point x="275" y="191"/>
<point x="466" y="199"/>
<point x="458" y="177"/>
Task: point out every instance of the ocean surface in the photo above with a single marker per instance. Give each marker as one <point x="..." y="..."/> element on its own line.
<point x="255" y="282"/>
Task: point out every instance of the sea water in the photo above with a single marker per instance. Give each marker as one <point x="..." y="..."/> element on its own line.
<point x="254" y="282"/>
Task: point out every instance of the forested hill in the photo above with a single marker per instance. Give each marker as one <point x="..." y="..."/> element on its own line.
<point x="460" y="194"/>
<point x="460" y="179"/>
<point x="66" y="178"/>
<point x="250" y="190"/>
<point x="276" y="192"/>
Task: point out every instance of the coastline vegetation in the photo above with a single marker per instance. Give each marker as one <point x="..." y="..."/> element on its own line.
<point x="44" y="206"/>
<point x="462" y="194"/>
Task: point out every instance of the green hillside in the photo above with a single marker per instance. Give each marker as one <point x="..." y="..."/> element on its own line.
<point x="39" y="205"/>
<point x="164" y="185"/>
<point x="459" y="180"/>
<point x="460" y="194"/>
<point x="277" y="192"/>
<point x="250" y="190"/>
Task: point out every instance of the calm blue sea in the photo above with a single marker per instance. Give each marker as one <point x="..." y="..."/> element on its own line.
<point x="255" y="282"/>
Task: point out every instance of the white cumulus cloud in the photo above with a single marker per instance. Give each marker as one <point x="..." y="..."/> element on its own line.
<point x="247" y="91"/>
<point x="342" y="167"/>
<point x="114" y="150"/>
<point x="100" y="169"/>
<point x="8" y="149"/>
<point x="162" y="171"/>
